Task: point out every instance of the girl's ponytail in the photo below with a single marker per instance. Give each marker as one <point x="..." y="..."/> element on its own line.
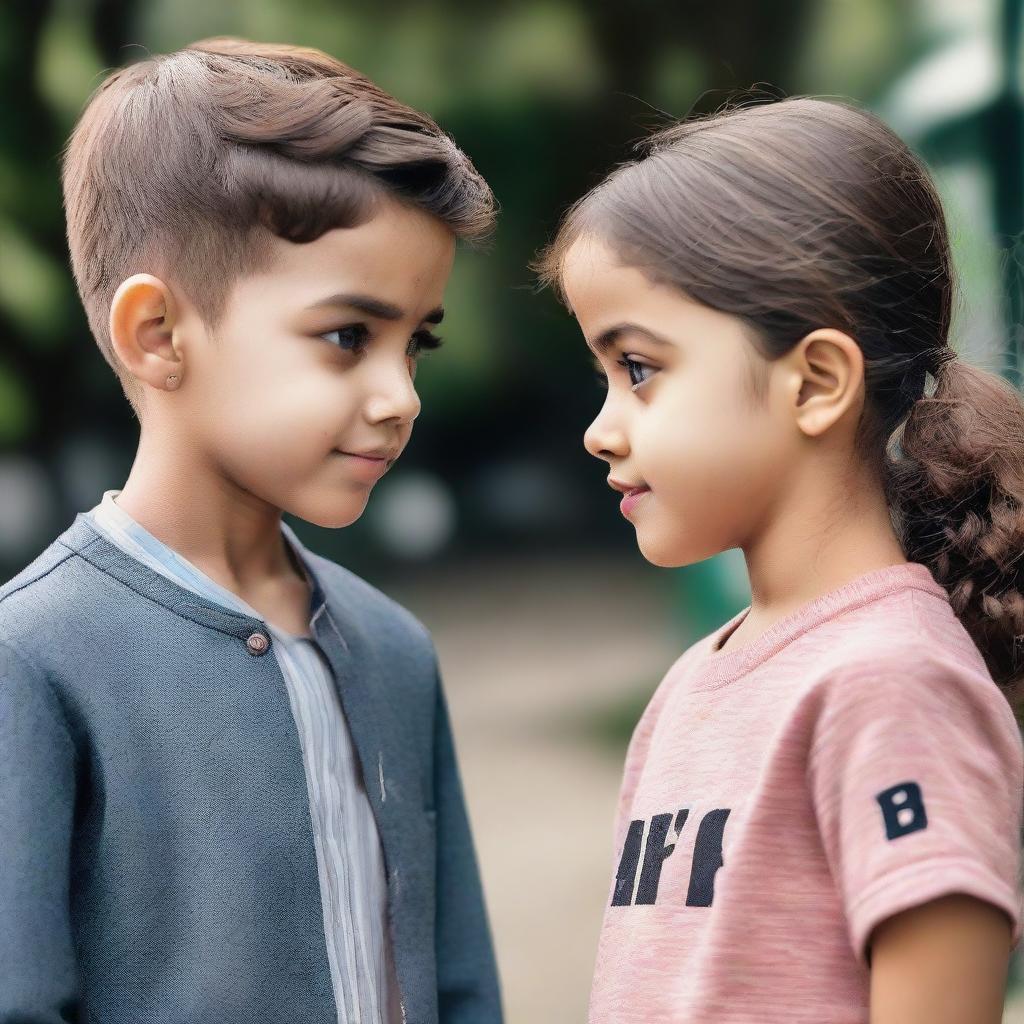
<point x="956" y="489"/>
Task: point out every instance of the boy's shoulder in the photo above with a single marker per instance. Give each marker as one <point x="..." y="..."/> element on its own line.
<point x="46" y="562"/>
<point x="40" y="588"/>
<point x="44" y="599"/>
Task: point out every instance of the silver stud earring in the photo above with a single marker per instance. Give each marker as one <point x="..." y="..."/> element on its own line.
<point x="172" y="381"/>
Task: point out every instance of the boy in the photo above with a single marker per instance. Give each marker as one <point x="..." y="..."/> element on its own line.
<point x="228" y="789"/>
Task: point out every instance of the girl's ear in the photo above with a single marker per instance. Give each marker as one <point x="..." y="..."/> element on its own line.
<point x="829" y="369"/>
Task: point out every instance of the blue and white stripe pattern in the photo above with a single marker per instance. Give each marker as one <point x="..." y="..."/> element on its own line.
<point x="350" y="862"/>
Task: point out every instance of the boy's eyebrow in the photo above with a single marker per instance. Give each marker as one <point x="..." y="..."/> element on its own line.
<point x="607" y="338"/>
<point x="374" y="307"/>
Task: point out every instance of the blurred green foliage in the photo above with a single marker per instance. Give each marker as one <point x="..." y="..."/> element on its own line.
<point x="545" y="96"/>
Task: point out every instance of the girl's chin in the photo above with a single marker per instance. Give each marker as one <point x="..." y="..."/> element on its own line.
<point x="660" y="554"/>
<point x="668" y="552"/>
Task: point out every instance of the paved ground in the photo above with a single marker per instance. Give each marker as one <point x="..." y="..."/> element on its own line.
<point x="529" y="649"/>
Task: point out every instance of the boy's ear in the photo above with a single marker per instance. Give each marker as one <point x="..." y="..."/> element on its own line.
<point x="142" y="320"/>
<point x="828" y="374"/>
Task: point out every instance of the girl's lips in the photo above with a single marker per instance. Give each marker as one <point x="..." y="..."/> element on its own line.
<point x="630" y="499"/>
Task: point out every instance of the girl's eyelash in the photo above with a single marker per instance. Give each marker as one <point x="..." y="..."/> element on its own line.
<point x="635" y="370"/>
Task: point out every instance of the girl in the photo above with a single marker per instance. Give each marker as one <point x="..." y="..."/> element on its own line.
<point x="820" y="814"/>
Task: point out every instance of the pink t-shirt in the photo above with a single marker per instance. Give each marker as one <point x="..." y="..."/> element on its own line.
<point x="782" y="798"/>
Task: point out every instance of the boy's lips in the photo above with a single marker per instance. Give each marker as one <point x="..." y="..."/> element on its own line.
<point x="369" y="466"/>
<point x="377" y="455"/>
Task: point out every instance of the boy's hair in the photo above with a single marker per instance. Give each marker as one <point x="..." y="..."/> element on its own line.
<point x="182" y="163"/>
<point x="806" y="213"/>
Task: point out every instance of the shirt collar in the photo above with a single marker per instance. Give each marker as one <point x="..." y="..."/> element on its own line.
<point x="89" y="541"/>
<point x="125" y="531"/>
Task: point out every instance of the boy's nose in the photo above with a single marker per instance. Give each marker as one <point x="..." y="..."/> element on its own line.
<point x="394" y="398"/>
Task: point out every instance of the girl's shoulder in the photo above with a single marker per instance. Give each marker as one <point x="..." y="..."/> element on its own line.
<point x="906" y="650"/>
<point x="912" y="685"/>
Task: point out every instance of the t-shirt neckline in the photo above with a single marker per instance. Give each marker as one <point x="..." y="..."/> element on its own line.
<point x="719" y="667"/>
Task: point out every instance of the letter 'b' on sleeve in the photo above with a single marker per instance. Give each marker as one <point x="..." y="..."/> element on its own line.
<point x="916" y="775"/>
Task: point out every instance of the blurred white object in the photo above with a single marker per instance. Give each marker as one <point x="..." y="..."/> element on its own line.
<point x="413" y="515"/>
<point x="26" y="507"/>
<point x="959" y="79"/>
<point x="86" y="467"/>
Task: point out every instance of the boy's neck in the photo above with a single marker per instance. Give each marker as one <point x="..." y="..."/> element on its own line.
<point x="223" y="530"/>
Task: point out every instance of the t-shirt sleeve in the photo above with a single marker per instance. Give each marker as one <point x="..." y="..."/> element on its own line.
<point x="916" y="775"/>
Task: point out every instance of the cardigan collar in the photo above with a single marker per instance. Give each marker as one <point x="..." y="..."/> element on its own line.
<point x="88" y="542"/>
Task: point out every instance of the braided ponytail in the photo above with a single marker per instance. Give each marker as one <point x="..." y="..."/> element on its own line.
<point x="956" y="490"/>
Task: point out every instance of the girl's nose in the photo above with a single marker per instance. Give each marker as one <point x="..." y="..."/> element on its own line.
<point x="605" y="439"/>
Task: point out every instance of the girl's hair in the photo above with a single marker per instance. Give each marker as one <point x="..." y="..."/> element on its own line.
<point x="807" y="213"/>
<point x="184" y="164"/>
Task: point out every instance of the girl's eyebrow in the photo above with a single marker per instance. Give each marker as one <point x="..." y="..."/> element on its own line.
<point x="607" y="338"/>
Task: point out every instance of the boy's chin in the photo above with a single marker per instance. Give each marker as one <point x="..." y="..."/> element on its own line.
<point x="331" y="514"/>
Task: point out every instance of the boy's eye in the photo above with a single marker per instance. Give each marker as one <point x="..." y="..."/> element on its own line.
<point x="423" y="341"/>
<point x="354" y="337"/>
<point x="638" y="372"/>
<point x="351" y="338"/>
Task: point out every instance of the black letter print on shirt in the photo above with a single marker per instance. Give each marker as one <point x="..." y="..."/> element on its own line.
<point x="626" y="875"/>
<point x="654" y="858"/>
<point x="707" y="859"/>
<point x="902" y="809"/>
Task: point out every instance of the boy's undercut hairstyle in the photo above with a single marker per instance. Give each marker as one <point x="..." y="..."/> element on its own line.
<point x="185" y="164"/>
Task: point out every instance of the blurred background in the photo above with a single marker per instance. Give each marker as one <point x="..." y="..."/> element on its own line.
<point x="497" y="529"/>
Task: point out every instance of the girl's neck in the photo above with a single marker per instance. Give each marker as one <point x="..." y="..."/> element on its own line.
<point x="820" y="539"/>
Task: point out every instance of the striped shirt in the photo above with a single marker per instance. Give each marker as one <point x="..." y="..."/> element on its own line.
<point x="350" y="861"/>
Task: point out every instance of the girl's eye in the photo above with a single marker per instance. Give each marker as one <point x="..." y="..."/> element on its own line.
<point x="423" y="341"/>
<point x="638" y="372"/>
<point x="351" y="338"/>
